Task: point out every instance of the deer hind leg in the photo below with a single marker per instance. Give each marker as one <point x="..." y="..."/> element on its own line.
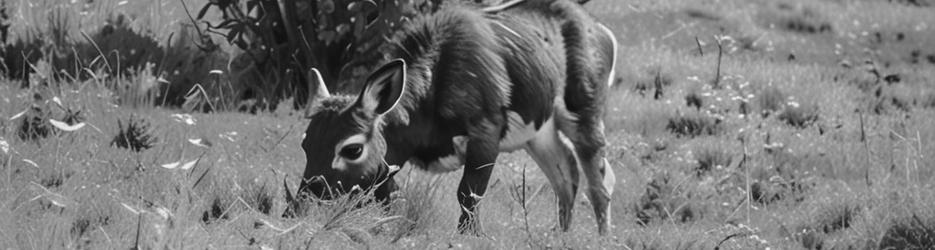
<point x="589" y="141"/>
<point x="558" y="163"/>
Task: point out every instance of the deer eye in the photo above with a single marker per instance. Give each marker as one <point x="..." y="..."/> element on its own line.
<point x="352" y="151"/>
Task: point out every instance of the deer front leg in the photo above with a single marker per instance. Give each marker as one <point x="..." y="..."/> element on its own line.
<point x="479" y="162"/>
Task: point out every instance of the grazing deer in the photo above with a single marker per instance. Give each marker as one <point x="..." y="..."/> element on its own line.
<point x="465" y="85"/>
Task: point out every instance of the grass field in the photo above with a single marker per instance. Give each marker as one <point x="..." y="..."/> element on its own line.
<point x="812" y="128"/>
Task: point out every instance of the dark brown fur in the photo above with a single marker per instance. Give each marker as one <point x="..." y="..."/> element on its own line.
<point x="464" y="71"/>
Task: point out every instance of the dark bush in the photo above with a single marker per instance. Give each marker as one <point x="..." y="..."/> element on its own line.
<point x="694" y="100"/>
<point x="136" y="135"/>
<point x="693" y="124"/>
<point x="799" y="117"/>
<point x="664" y="200"/>
<point x="770" y="100"/>
<point x="283" y="39"/>
<point x="35" y="124"/>
<point x="259" y="198"/>
<point x="915" y="234"/>
<point x="709" y="158"/>
<point x="217" y="210"/>
<point x="657" y="84"/>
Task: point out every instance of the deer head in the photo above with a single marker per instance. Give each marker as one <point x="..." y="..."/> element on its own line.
<point x="344" y="145"/>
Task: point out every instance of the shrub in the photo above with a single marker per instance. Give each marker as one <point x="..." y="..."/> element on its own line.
<point x="770" y="100"/>
<point x="693" y="99"/>
<point x="281" y="40"/>
<point x="799" y="117"/>
<point x="35" y="124"/>
<point x="216" y="210"/>
<point x="136" y="135"/>
<point x="656" y="83"/>
<point x="708" y="158"/>
<point x="68" y="42"/>
<point x="664" y="199"/>
<point x="258" y="196"/>
<point x="915" y="234"/>
<point x="693" y="124"/>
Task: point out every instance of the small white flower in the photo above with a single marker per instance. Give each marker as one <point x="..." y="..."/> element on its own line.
<point x="184" y="118"/>
<point x="164" y="212"/>
<point x="200" y="142"/>
<point x="4" y="146"/>
<point x="57" y="101"/>
<point x="229" y="135"/>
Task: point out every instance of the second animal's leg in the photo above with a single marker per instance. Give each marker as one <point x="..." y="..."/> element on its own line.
<point x="558" y="163"/>
<point x="590" y="143"/>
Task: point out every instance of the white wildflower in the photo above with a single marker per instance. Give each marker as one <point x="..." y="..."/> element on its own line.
<point x="184" y="118"/>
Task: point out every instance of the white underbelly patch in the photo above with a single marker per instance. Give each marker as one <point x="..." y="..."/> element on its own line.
<point x="518" y="132"/>
<point x="447" y="163"/>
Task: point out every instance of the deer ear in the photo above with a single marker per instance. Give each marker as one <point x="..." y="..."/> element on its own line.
<point x="384" y="87"/>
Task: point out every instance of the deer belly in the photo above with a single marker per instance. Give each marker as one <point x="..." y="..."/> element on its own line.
<point x="518" y="132"/>
<point x="446" y="163"/>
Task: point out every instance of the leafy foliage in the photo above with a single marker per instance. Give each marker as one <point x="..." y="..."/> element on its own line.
<point x="35" y="124"/>
<point x="282" y="40"/>
<point x="136" y="135"/>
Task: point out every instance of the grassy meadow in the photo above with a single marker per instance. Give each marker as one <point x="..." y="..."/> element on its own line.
<point x="733" y="124"/>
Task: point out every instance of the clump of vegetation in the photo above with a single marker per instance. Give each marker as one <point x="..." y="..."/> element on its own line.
<point x="770" y="100"/>
<point x="418" y="206"/>
<point x="798" y="19"/>
<point x="928" y="100"/>
<point x="73" y="117"/>
<point x="35" y="124"/>
<point x="283" y="39"/>
<point x="654" y="85"/>
<point x="799" y="116"/>
<point x="258" y="197"/>
<point x="55" y="178"/>
<point x="786" y="178"/>
<point x="914" y="3"/>
<point x="665" y="200"/>
<point x="763" y="192"/>
<point x="82" y="226"/>
<point x="295" y="206"/>
<point x="136" y="136"/>
<point x="836" y="218"/>
<point x="912" y="234"/>
<point x="827" y="224"/>
<point x="217" y="209"/>
<point x="694" y="100"/>
<point x="693" y="124"/>
<point x="708" y="158"/>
